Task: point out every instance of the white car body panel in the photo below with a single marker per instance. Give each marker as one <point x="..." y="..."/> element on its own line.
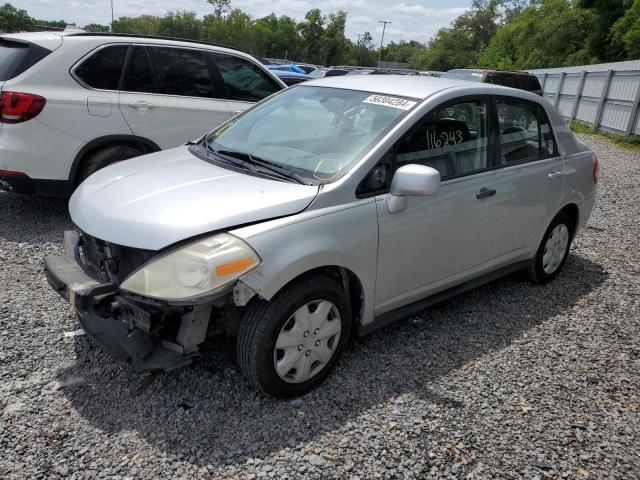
<point x="75" y="115"/>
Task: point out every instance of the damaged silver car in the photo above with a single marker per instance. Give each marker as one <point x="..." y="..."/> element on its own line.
<point x="326" y="211"/>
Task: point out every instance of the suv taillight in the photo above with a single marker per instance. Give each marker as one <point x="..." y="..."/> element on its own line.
<point x="596" y="168"/>
<point x="19" y="107"/>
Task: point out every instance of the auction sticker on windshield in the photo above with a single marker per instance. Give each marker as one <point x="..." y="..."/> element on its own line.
<point x="388" y="101"/>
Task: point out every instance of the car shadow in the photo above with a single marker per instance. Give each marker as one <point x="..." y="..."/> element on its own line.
<point x="208" y="415"/>
<point x="33" y="220"/>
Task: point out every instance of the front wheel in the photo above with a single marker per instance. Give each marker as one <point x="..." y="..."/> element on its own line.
<point x="553" y="250"/>
<point x="289" y="345"/>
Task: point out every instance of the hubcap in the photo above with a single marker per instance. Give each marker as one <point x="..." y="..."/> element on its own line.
<point x="555" y="249"/>
<point x="307" y="341"/>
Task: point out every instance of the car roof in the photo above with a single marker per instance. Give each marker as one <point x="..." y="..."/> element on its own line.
<point x="490" y="70"/>
<point x="47" y="37"/>
<point x="414" y="86"/>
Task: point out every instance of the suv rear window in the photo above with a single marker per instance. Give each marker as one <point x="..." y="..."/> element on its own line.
<point x="103" y="69"/>
<point x="17" y="57"/>
<point x="530" y="83"/>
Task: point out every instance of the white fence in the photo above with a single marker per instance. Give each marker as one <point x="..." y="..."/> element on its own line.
<point x="606" y="96"/>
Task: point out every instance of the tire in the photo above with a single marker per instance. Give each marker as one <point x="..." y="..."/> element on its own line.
<point x="543" y="269"/>
<point x="102" y="158"/>
<point x="266" y="322"/>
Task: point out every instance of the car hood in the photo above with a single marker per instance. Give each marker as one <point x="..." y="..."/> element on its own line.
<point x="156" y="200"/>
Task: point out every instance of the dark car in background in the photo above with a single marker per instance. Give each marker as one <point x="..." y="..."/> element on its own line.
<point x="520" y="80"/>
<point x="291" y="78"/>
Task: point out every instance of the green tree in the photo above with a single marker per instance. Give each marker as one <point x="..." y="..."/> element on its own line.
<point x="333" y="40"/>
<point x="235" y="30"/>
<point x="143" y="25"/>
<point x="279" y="37"/>
<point x="53" y="24"/>
<point x="180" y="24"/>
<point x="626" y="31"/>
<point x="458" y="46"/>
<point x="598" y="38"/>
<point x="550" y="33"/>
<point x="96" y="27"/>
<point x="220" y="7"/>
<point x="311" y="33"/>
<point x="14" y="20"/>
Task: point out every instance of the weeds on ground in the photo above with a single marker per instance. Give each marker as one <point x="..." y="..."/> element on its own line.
<point x="630" y="142"/>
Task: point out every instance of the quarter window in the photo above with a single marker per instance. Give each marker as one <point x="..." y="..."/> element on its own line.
<point x="103" y="69"/>
<point x="139" y="77"/>
<point x="245" y="81"/>
<point x="181" y="71"/>
<point x="525" y="133"/>
<point x="453" y="140"/>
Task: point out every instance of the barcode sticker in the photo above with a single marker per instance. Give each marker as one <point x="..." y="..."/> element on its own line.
<point x="387" y="101"/>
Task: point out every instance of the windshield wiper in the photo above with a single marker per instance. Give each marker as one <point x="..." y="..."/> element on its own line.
<point x="261" y="162"/>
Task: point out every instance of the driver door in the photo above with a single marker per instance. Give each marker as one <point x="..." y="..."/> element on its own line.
<point x="440" y="240"/>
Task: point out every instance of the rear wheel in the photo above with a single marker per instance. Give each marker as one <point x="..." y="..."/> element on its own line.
<point x="102" y="158"/>
<point x="289" y="345"/>
<point x="554" y="249"/>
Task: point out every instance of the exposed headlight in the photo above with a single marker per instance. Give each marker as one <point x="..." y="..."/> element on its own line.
<point x="194" y="270"/>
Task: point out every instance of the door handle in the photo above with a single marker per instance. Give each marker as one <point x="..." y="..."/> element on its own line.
<point x="237" y="112"/>
<point x="553" y="175"/>
<point x="141" y="105"/>
<point x="485" y="192"/>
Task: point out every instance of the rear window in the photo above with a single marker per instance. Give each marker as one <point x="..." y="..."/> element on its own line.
<point x="530" y="83"/>
<point x="103" y="69"/>
<point x="17" y="57"/>
<point x="464" y="75"/>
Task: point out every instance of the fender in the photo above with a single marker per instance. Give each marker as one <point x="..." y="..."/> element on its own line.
<point x="108" y="140"/>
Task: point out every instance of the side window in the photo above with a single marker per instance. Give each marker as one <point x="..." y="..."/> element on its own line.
<point x="180" y="71"/>
<point x="523" y="137"/>
<point x="453" y="140"/>
<point x="245" y="81"/>
<point x="103" y="69"/>
<point x="139" y="77"/>
<point x="549" y="146"/>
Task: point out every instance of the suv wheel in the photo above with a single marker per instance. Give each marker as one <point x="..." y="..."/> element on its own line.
<point x="289" y="345"/>
<point x="102" y="158"/>
<point x="554" y="249"/>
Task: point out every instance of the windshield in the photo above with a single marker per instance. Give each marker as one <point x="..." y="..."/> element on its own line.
<point x="463" y="75"/>
<point x="316" y="132"/>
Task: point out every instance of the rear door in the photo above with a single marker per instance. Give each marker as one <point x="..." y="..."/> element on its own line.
<point x="170" y="95"/>
<point x="246" y="82"/>
<point x="530" y="177"/>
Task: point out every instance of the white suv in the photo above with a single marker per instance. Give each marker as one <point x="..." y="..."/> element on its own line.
<point x="74" y="102"/>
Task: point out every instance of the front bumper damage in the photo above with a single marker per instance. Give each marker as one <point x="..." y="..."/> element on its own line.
<point x="148" y="334"/>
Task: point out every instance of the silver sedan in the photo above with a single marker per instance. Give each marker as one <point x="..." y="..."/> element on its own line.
<point x="328" y="210"/>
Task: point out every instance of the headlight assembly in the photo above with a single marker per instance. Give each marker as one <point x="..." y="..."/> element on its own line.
<point x="194" y="270"/>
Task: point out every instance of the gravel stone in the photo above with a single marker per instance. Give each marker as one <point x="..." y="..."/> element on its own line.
<point x="510" y="380"/>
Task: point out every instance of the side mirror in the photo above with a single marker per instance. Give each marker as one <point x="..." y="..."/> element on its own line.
<point x="410" y="181"/>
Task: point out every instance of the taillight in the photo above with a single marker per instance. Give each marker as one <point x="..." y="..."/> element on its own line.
<point x="596" y="168"/>
<point x="19" y="107"/>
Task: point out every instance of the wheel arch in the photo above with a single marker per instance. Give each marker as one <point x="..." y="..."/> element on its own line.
<point x="350" y="282"/>
<point x="140" y="143"/>
<point x="574" y="213"/>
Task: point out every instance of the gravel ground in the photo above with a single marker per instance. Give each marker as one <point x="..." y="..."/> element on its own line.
<point x="511" y="380"/>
